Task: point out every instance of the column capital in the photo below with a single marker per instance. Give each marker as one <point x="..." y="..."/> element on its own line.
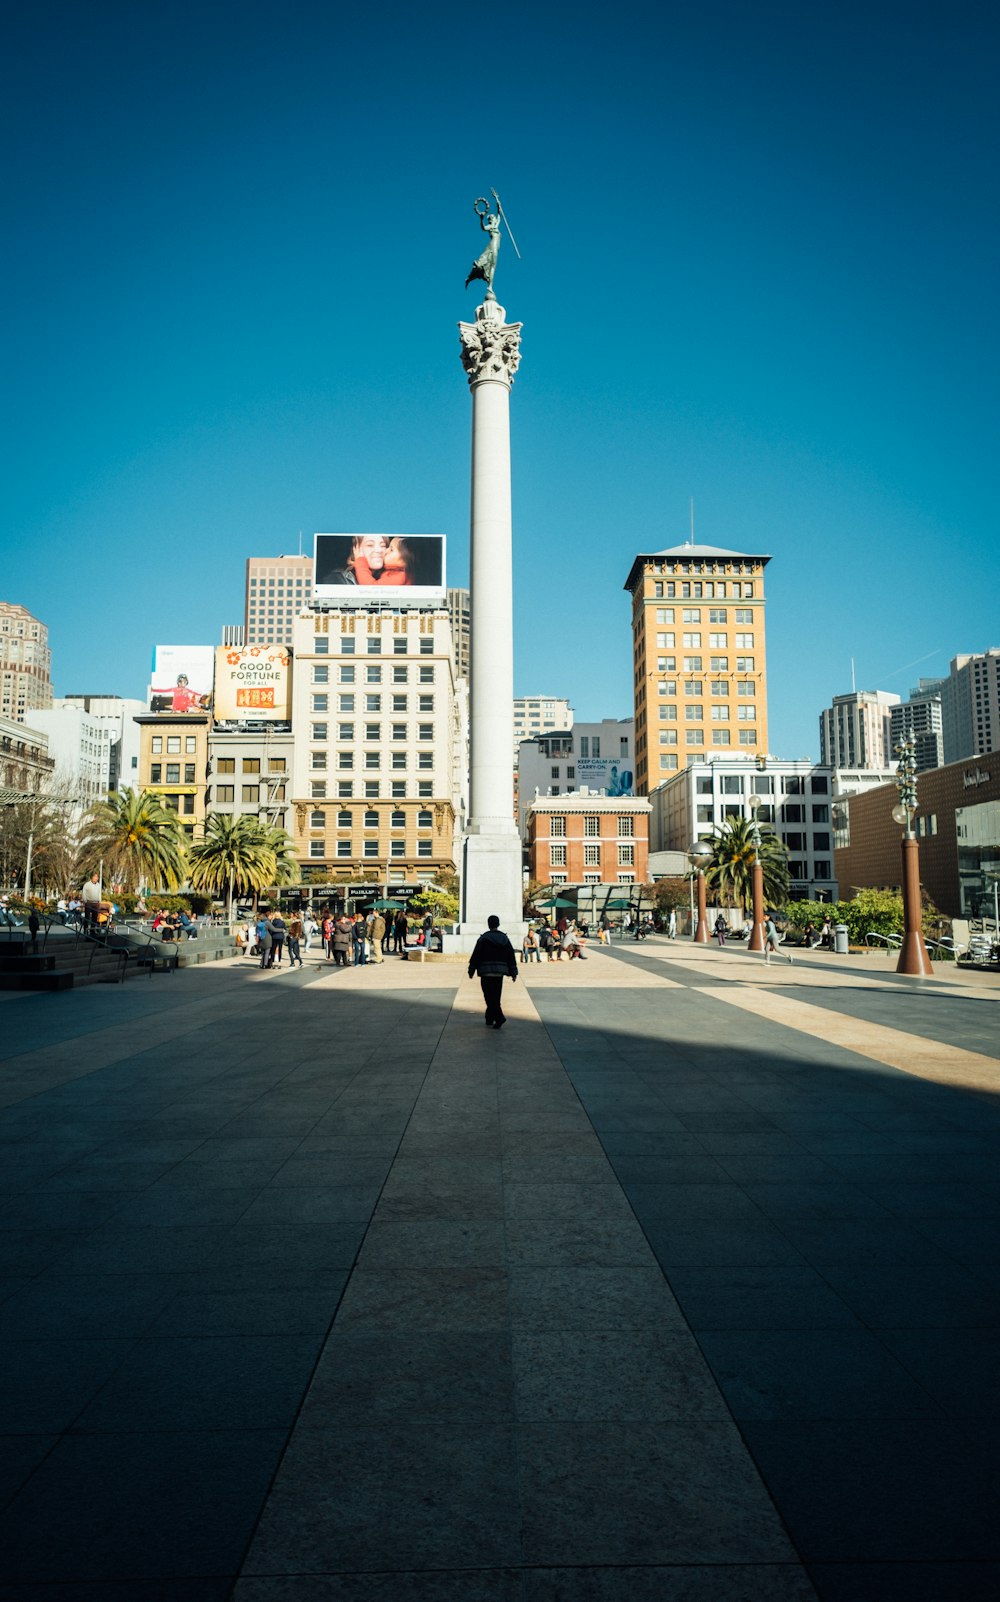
<point x="491" y="347"/>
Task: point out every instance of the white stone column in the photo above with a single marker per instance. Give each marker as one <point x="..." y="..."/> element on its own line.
<point x="491" y="879"/>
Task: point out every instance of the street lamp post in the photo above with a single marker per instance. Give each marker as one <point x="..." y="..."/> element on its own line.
<point x="699" y="855"/>
<point x="756" y="941"/>
<point x="913" y="958"/>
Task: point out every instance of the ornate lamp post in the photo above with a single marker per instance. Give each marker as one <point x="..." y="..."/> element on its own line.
<point x="699" y="856"/>
<point x="756" y="942"/>
<point x="913" y="958"/>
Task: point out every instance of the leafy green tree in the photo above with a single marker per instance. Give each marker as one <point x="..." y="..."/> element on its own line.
<point x="734" y="851"/>
<point x="442" y="903"/>
<point x="139" y="840"/>
<point x="235" y="854"/>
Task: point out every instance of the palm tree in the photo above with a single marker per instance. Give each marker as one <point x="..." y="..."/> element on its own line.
<point x="139" y="839"/>
<point x="235" y="854"/>
<point x="735" y="848"/>
<point x="286" y="869"/>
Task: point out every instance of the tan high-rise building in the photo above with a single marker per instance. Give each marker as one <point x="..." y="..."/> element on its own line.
<point x="25" y="664"/>
<point x="698" y="657"/>
<point x="459" y="614"/>
<point x="278" y="587"/>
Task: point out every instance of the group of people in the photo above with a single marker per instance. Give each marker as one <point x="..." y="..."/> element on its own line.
<point x="347" y="940"/>
<point x="548" y="944"/>
<point x="174" y="925"/>
<point x="270" y="938"/>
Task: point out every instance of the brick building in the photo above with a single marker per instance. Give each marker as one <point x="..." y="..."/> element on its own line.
<point x="958" y="825"/>
<point x="588" y="839"/>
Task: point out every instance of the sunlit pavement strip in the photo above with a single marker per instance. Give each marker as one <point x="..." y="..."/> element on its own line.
<point x="913" y="1054"/>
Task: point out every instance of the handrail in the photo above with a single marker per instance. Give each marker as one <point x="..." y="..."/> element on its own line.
<point x="891" y="942"/>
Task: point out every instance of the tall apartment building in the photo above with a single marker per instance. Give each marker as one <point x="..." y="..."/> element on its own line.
<point x="856" y="732"/>
<point x="699" y="656"/>
<point x="459" y="615"/>
<point x="921" y="717"/>
<point x="375" y="721"/>
<point x="539" y="714"/>
<point x="25" y="663"/>
<point x="278" y="587"/>
<point x="970" y="705"/>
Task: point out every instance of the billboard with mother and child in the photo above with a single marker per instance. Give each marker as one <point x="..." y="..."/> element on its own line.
<point x="359" y="569"/>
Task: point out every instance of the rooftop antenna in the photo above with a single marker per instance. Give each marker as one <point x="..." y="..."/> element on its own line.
<point x="853" y="686"/>
<point x="300" y="542"/>
<point x="691" y="540"/>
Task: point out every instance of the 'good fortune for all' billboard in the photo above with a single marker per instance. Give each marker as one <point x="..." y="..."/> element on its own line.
<point x="182" y="678"/>
<point x="357" y="569"/>
<point x="601" y="773"/>
<point x="252" y="683"/>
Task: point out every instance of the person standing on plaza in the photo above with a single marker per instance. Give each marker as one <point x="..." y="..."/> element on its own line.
<point x="721" y="929"/>
<point x="340" y="940"/>
<point x="308" y="929"/>
<point x="264" y="940"/>
<point x="327" y="928"/>
<point x="399" y="927"/>
<point x="358" y="936"/>
<point x="90" y="895"/>
<point x="494" y="960"/>
<point x="294" y="937"/>
<point x="378" y="935"/>
<point x="279" y="929"/>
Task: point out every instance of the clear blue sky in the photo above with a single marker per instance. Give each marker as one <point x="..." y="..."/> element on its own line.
<point x="760" y="268"/>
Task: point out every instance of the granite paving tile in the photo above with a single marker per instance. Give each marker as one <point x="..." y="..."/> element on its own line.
<point x="425" y="1299"/>
<point x="635" y="1374"/>
<point x="418" y="1496"/>
<point x="762" y="1298"/>
<point x="365" y="1378"/>
<point x="661" y="1493"/>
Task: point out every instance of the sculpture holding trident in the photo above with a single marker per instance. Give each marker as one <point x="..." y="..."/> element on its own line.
<point x="485" y="265"/>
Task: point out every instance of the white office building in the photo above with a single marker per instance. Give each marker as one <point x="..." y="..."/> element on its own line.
<point x="797" y="800"/>
<point x="596" y="757"/>
<point x="80" y="747"/>
<point x="375" y="771"/>
<point x="117" y="714"/>
<point x="249" y="774"/>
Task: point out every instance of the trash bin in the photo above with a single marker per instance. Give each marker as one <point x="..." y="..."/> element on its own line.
<point x="840" y="939"/>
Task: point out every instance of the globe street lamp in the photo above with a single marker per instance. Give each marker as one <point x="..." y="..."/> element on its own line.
<point x="699" y="856"/>
<point x="756" y="942"/>
<point x="913" y="958"/>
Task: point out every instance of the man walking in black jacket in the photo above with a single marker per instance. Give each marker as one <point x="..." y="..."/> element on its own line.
<point x="494" y="960"/>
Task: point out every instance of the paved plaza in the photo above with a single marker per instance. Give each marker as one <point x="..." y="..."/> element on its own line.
<point x="683" y="1287"/>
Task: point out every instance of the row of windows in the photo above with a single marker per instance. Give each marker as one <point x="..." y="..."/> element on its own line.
<point x="735" y="591"/>
<point x="373" y="731"/>
<point x="716" y="614"/>
<point x="592" y="825"/>
<point x="372" y="789"/>
<point x="691" y="640"/>
<point x="250" y="765"/>
<point x="173" y="772"/>
<point x="349" y="646"/>
<point x="370" y="849"/>
<point x="398" y="760"/>
<point x="255" y="794"/>
<point x="763" y="784"/>
<point x="696" y="737"/>
<point x="347" y="674"/>
<point x="695" y="664"/>
<point x="373" y="703"/>
<point x="695" y="713"/>
<point x="592" y="878"/>
<point x="173" y="743"/>
<point x="370" y="819"/>
<point x="745" y="689"/>
<point x="591" y="856"/>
